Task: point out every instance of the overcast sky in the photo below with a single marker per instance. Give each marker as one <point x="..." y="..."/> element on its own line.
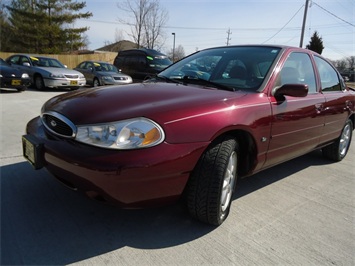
<point x="200" y="24"/>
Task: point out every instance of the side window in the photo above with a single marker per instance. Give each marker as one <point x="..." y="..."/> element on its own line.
<point x="328" y="76"/>
<point x="142" y="61"/>
<point x="82" y="65"/>
<point x="89" y="66"/>
<point x="119" y="61"/>
<point x="298" y="69"/>
<point x="15" y="60"/>
<point x="24" y="60"/>
<point x="137" y="62"/>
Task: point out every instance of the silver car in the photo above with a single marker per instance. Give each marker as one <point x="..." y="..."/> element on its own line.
<point x="98" y="73"/>
<point x="47" y="72"/>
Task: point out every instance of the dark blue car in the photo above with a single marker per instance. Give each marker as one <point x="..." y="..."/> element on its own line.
<point x="12" y="78"/>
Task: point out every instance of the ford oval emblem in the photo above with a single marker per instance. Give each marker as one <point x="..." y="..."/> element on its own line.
<point x="53" y="123"/>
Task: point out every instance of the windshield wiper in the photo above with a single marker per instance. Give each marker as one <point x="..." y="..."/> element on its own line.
<point x="162" y="78"/>
<point x="200" y="81"/>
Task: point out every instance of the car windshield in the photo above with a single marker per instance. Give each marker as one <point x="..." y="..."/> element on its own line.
<point x="104" y="67"/>
<point x="46" y="62"/>
<point x="233" y="68"/>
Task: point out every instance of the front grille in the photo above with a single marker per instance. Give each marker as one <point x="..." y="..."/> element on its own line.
<point x="59" y="124"/>
<point x="71" y="76"/>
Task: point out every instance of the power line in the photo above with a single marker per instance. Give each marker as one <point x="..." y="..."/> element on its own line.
<point x="284" y="25"/>
<point x="191" y="28"/>
<point x="347" y="22"/>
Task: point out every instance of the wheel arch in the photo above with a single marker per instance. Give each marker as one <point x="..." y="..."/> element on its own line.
<point x="36" y="74"/>
<point x="247" y="148"/>
<point x="352" y="118"/>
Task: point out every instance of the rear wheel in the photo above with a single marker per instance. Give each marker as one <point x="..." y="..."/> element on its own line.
<point x="212" y="183"/>
<point x="338" y="149"/>
<point x="39" y="83"/>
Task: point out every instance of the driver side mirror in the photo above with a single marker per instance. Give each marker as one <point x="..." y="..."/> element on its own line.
<point x="26" y="64"/>
<point x="293" y="90"/>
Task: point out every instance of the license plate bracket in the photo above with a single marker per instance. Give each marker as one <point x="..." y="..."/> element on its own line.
<point x="33" y="151"/>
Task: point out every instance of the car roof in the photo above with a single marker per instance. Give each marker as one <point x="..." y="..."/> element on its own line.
<point x="96" y="61"/>
<point x="279" y="46"/>
<point x="147" y="51"/>
<point x="34" y="55"/>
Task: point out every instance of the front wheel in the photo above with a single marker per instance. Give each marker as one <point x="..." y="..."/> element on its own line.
<point x="96" y="82"/>
<point x="338" y="149"/>
<point x="212" y="183"/>
<point x="39" y="83"/>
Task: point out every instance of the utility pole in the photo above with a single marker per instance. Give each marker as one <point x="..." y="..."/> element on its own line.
<point x="174" y="47"/>
<point x="229" y="33"/>
<point x="304" y="23"/>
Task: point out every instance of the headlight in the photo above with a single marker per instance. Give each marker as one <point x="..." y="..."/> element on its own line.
<point x="127" y="134"/>
<point x="107" y="78"/>
<point x="25" y="76"/>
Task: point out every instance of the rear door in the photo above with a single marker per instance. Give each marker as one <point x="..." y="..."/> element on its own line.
<point x="336" y="104"/>
<point x="296" y="121"/>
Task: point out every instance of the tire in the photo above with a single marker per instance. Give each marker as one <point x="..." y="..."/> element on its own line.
<point x="211" y="184"/>
<point x="338" y="149"/>
<point x="39" y="83"/>
<point x="96" y="82"/>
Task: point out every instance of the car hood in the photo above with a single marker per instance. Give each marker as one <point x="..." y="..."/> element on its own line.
<point x="162" y="102"/>
<point x="56" y="70"/>
<point x="9" y="71"/>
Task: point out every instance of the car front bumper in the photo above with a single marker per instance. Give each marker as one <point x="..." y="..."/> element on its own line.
<point x="14" y="83"/>
<point x="131" y="178"/>
<point x="64" y="83"/>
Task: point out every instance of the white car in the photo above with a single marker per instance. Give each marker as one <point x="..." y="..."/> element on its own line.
<point x="47" y="72"/>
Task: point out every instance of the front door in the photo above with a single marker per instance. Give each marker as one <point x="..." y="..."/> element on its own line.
<point x="296" y="122"/>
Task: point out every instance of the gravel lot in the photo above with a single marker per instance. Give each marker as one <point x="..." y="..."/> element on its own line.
<point x="298" y="213"/>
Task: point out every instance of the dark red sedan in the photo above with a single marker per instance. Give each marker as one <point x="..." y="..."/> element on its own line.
<point x="194" y="129"/>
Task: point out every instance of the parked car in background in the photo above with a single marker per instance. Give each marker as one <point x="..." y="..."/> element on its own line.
<point x="141" y="63"/>
<point x="12" y="78"/>
<point x="99" y="73"/>
<point x="192" y="131"/>
<point x="47" y="72"/>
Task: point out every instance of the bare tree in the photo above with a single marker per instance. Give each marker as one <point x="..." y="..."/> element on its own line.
<point x="179" y="53"/>
<point x="155" y="20"/>
<point x="148" y="21"/>
<point x="341" y="65"/>
<point x="351" y="62"/>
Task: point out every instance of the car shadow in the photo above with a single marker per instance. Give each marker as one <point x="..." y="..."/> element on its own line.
<point x="276" y="173"/>
<point x="44" y="223"/>
<point x="9" y="90"/>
